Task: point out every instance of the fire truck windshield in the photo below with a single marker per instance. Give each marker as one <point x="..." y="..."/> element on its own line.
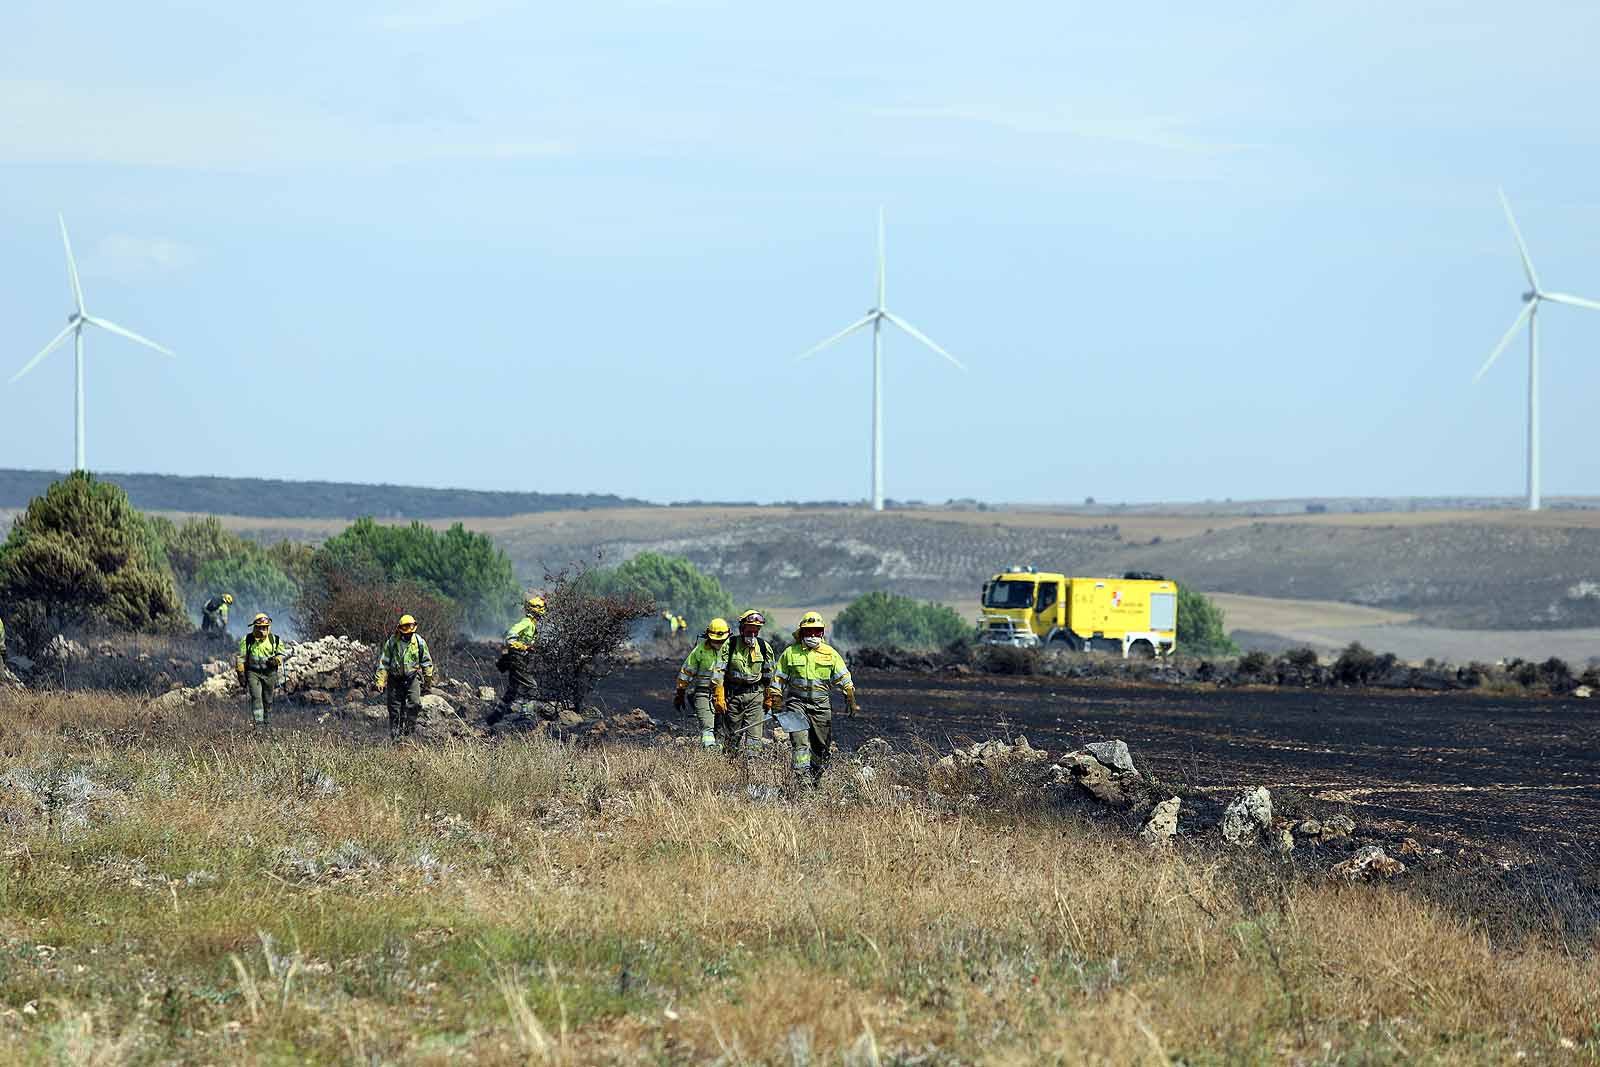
<point x="1009" y="594"/>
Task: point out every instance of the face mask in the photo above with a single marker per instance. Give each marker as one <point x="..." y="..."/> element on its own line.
<point x="749" y="639"/>
<point x="811" y="640"/>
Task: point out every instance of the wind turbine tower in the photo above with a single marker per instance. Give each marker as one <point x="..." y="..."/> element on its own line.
<point x="75" y="326"/>
<point x="1530" y="314"/>
<point x="876" y="317"/>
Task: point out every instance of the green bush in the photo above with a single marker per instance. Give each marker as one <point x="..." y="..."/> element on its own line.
<point x="464" y="567"/>
<point x="81" y="555"/>
<point x="1202" y="631"/>
<point x="673" y="582"/>
<point x="256" y="584"/>
<point x="207" y="559"/>
<point x="880" y="618"/>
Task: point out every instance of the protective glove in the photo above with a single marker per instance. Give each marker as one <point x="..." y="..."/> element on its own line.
<point x="239" y="673"/>
<point x="516" y="646"/>
<point x="769" y="701"/>
<point x="719" y="699"/>
<point x="274" y="662"/>
<point x="427" y="681"/>
<point x="851" y="708"/>
<point x="680" y="698"/>
<point x="381" y="680"/>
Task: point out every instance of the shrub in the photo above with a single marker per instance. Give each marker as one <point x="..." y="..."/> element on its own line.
<point x="1008" y="659"/>
<point x="81" y="555"/>
<point x="463" y="567"/>
<point x="880" y="618"/>
<point x="582" y="634"/>
<point x="1555" y="673"/>
<point x="1254" y="663"/>
<point x="256" y="584"/>
<point x="1358" y="665"/>
<point x="672" y="582"/>
<point x="1202" y="631"/>
<point x="1301" y="658"/>
<point x="357" y="601"/>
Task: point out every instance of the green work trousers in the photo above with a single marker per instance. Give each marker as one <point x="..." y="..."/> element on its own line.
<point x="706" y="711"/>
<point x="811" y="745"/>
<point x="260" y="685"/>
<point x="404" y="696"/>
<point x="519" y="685"/>
<point x="741" y="726"/>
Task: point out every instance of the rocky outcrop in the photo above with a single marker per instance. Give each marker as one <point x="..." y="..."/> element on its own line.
<point x="1327" y="829"/>
<point x="1369" y="863"/>
<point x="1247" y="816"/>
<point x="1163" y="822"/>
<point x="992" y="755"/>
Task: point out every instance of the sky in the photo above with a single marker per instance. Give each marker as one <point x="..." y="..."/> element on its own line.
<point x="1185" y="251"/>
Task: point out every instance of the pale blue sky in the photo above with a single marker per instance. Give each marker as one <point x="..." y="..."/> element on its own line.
<point x="1248" y="252"/>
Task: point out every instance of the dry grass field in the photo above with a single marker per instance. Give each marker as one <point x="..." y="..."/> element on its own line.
<point x="178" y="891"/>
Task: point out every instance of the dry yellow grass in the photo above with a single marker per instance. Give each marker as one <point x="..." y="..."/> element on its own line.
<point x="175" y="890"/>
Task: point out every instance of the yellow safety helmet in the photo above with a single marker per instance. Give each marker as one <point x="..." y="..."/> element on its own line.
<point x="717" y="630"/>
<point x="227" y="598"/>
<point x="407" y="625"/>
<point x="261" y="619"/>
<point x="810" y="621"/>
<point x="534" y="605"/>
<point x="752" y="618"/>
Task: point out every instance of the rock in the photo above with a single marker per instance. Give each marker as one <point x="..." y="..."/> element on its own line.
<point x="486" y="693"/>
<point x="375" y="711"/>
<point x="1285" y="841"/>
<point x="1583" y="692"/>
<point x="1247" y="816"/>
<point x="1113" y="754"/>
<point x="633" y="722"/>
<point x="434" y="704"/>
<point x="873" y="748"/>
<point x="568" y="717"/>
<point x="1409" y="847"/>
<point x="1369" y="862"/>
<point x="57" y="654"/>
<point x="317" y="696"/>
<point x="1092" y="776"/>
<point x="1163" y="821"/>
<point x="326" y="663"/>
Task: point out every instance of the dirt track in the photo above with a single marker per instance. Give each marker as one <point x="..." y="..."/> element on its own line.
<point x="1518" y="773"/>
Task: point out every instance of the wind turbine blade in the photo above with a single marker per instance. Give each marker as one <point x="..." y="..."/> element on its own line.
<point x="841" y="335"/>
<point x="1527" y="263"/>
<point x="45" y="351"/>
<point x="880" y="257"/>
<point x="924" y="338"/>
<point x="1574" y="301"/>
<point x="1516" y="324"/>
<point x="129" y="334"/>
<point x="72" y="264"/>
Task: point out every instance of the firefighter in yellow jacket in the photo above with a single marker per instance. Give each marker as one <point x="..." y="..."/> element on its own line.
<point x="748" y="681"/>
<point x="256" y="665"/>
<point x="806" y="673"/>
<point x="405" y="675"/>
<point x="701" y="679"/>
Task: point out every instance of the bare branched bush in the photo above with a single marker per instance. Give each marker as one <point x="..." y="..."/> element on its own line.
<point x="583" y="633"/>
<point x="356" y="601"/>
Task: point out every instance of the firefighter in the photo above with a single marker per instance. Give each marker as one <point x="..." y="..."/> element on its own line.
<point x="214" y="616"/>
<point x="806" y="672"/>
<point x="405" y="674"/>
<point x="701" y="679"/>
<point x="748" y="682"/>
<point x="260" y="656"/>
<point x="518" y="659"/>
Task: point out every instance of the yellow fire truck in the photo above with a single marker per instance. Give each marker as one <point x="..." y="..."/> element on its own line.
<point x="1134" y="616"/>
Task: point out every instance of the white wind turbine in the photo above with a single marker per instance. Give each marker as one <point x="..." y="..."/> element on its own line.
<point x="876" y="318"/>
<point x="75" y="326"/>
<point x="1530" y="314"/>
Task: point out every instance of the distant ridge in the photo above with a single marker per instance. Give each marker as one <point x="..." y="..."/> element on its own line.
<point x="273" y="499"/>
